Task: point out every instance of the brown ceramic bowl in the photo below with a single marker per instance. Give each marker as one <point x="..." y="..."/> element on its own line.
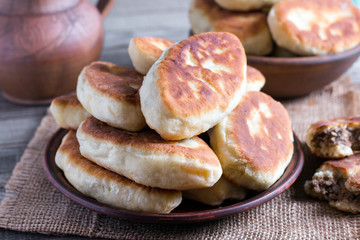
<point x="188" y="211"/>
<point x="296" y="76"/>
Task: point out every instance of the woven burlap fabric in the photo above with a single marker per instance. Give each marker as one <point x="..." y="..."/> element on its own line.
<point x="32" y="204"/>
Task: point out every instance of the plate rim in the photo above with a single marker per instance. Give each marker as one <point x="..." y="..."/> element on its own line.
<point x="283" y="183"/>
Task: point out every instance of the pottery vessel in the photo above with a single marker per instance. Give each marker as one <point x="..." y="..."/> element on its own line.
<point x="44" y="44"/>
<point x="289" y="77"/>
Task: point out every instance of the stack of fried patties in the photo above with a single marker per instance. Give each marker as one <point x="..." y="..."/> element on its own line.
<point x="281" y="28"/>
<point x="139" y="147"/>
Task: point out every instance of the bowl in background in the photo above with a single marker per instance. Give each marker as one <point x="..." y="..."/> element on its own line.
<point x="288" y="77"/>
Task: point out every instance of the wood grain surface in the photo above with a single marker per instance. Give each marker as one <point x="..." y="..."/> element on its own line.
<point x="161" y="18"/>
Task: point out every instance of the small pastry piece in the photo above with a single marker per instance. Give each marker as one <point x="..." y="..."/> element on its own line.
<point x="335" y="138"/>
<point x="108" y="187"/>
<point x="110" y="93"/>
<point x="193" y="85"/>
<point x="147" y="159"/>
<point x="254" y="143"/>
<point x="250" y="27"/>
<point x="255" y="79"/>
<point x="217" y="194"/>
<point x="245" y="5"/>
<point x="144" y="51"/>
<point x="338" y="182"/>
<point x="68" y="111"/>
<point x="315" y="27"/>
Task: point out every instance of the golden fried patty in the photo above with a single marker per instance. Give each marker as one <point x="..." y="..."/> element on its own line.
<point x="217" y="194"/>
<point x="110" y="93"/>
<point x="108" y="187"/>
<point x="315" y="27"/>
<point x="250" y="27"/>
<point x="117" y="82"/>
<point x="254" y="142"/>
<point x="144" y="51"/>
<point x="195" y="83"/>
<point x="255" y="79"/>
<point x="68" y="111"/>
<point x="147" y="159"/>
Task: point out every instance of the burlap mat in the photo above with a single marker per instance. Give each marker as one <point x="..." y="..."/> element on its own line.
<point x="32" y="204"/>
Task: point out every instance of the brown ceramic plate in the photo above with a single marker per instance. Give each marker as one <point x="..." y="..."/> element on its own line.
<point x="188" y="211"/>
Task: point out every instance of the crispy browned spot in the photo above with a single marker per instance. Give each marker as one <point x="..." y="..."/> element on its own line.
<point x="337" y="122"/>
<point x="120" y="83"/>
<point x="346" y="164"/>
<point x="189" y="89"/>
<point x="150" y="45"/>
<point x="263" y="150"/>
<point x="148" y="140"/>
<point x="243" y="24"/>
<point x="70" y="147"/>
<point x="347" y="28"/>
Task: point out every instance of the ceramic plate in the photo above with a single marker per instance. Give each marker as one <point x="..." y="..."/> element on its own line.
<point x="188" y="211"/>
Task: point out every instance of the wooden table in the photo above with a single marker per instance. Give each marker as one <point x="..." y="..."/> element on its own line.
<point x="162" y="18"/>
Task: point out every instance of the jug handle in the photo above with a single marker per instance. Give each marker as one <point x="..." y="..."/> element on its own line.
<point x="104" y="7"/>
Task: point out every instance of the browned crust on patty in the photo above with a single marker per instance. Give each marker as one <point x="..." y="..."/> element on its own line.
<point x="120" y="83"/>
<point x="148" y="140"/>
<point x="177" y="79"/>
<point x="345" y="165"/>
<point x="337" y="122"/>
<point x="67" y="100"/>
<point x="250" y="146"/>
<point x="146" y="44"/>
<point x="349" y="27"/>
<point x="70" y="147"/>
<point x="243" y="24"/>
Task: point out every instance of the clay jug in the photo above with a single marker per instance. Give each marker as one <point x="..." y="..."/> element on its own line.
<point x="44" y="44"/>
